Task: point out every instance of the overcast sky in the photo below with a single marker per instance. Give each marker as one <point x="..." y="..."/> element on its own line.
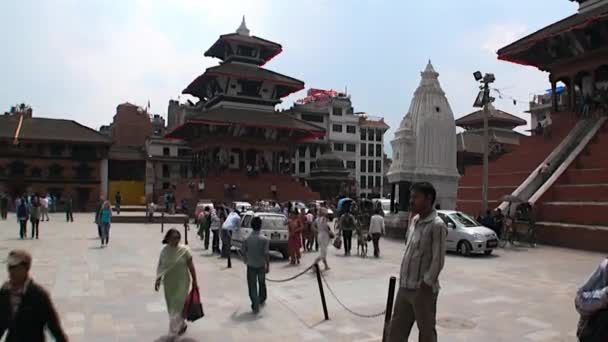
<point x="79" y="59"/>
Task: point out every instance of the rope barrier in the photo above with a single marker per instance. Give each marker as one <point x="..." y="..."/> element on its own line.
<point x="291" y="278"/>
<point x="286" y="279"/>
<point x="345" y="307"/>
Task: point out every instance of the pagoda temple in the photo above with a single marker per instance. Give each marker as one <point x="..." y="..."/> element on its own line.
<point x="501" y="134"/>
<point x="242" y="147"/>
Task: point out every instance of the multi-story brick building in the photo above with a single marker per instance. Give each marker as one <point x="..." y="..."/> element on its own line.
<point x="61" y="157"/>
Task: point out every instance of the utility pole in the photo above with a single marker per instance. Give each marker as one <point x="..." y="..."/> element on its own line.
<point x="486" y="148"/>
<point x="484" y="100"/>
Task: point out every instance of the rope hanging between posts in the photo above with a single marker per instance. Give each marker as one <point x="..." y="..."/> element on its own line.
<point x="345" y="307"/>
<point x="291" y="278"/>
<point x="286" y="279"/>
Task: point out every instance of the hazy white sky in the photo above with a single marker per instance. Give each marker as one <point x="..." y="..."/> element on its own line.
<point x="79" y="59"/>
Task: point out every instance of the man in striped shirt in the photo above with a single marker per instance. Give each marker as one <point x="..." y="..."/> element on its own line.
<point x="422" y="262"/>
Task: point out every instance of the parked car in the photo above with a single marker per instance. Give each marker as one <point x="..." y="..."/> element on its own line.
<point x="467" y="236"/>
<point x="274" y="227"/>
<point x="384" y="203"/>
<point x="242" y="206"/>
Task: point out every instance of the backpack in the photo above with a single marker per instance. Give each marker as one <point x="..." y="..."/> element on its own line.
<point x="349" y="222"/>
<point x="593" y="328"/>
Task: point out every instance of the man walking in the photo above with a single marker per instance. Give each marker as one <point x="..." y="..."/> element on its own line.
<point x="231" y="224"/>
<point x="23" y="213"/>
<point x="377" y="229"/>
<point x="3" y="206"/>
<point x="204" y="224"/>
<point x="69" y="214"/>
<point x="117" y="201"/>
<point x="422" y="262"/>
<point x="215" y="230"/>
<point x="347" y="224"/>
<point x="25" y="307"/>
<point x="44" y="209"/>
<point x="256" y="249"/>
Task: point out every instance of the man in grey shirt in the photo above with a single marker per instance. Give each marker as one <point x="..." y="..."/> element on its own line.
<point x="256" y="256"/>
<point x="422" y="262"/>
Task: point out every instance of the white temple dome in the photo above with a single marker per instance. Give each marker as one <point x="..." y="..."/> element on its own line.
<point x="424" y="148"/>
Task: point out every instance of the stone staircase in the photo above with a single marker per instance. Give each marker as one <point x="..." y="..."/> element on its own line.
<point x="247" y="188"/>
<point x="574" y="211"/>
<point x="509" y="170"/>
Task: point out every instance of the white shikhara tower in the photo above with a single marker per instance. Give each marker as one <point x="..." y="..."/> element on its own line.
<point x="424" y="148"/>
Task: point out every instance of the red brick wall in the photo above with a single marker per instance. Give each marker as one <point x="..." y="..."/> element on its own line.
<point x="131" y="126"/>
<point x="68" y="184"/>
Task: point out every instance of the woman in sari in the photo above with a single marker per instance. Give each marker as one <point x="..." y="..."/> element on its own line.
<point x="295" y="237"/>
<point x="175" y="268"/>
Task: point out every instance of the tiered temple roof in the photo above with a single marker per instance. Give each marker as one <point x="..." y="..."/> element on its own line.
<point x="569" y="38"/>
<point x="240" y="93"/>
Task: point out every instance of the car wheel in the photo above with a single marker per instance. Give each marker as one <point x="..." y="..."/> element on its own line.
<point x="488" y="252"/>
<point x="464" y="248"/>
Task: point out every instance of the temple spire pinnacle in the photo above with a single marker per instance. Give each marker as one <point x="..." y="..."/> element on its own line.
<point x="243" y="30"/>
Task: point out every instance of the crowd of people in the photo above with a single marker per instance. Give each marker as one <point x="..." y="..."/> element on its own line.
<point x="33" y="209"/>
<point x="26" y="308"/>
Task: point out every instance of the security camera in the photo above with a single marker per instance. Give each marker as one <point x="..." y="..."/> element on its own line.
<point x="477" y="75"/>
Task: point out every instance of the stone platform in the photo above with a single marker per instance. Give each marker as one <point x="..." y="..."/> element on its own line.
<point x="140" y="217"/>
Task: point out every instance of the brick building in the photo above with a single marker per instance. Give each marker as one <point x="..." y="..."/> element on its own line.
<point x="61" y="157"/>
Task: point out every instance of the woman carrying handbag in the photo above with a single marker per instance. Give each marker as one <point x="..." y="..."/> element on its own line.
<point x="175" y="269"/>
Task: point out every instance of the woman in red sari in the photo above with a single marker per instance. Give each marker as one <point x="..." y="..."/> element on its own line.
<point x="295" y="237"/>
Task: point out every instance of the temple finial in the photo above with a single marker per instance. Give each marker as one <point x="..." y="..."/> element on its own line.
<point x="243" y="30"/>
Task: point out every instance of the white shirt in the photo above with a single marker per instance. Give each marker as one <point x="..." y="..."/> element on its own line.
<point x="233" y="221"/>
<point x="310" y="218"/>
<point x="376" y="224"/>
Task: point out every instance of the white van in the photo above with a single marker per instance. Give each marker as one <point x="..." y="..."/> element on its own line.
<point x="274" y="227"/>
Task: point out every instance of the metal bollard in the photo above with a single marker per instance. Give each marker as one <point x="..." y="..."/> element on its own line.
<point x="162" y="222"/>
<point x="321" y="292"/>
<point x="388" y="315"/>
<point x="229" y="252"/>
<point x="186" y="231"/>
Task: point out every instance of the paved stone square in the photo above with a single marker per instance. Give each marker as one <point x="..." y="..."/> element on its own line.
<point x="519" y="294"/>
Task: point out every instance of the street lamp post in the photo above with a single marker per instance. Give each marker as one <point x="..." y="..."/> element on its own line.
<point x="484" y="100"/>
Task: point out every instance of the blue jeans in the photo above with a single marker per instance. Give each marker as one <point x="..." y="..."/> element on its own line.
<point x="256" y="282"/>
<point x="105" y="233"/>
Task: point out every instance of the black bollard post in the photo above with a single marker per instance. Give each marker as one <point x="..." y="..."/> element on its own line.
<point x="229" y="251"/>
<point x="388" y="315"/>
<point x="186" y="232"/>
<point x="321" y="292"/>
<point x="162" y="222"/>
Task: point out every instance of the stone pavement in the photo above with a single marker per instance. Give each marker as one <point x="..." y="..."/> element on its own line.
<point x="519" y="294"/>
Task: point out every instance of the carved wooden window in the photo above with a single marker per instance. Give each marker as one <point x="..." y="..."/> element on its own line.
<point x="17" y="168"/>
<point x="36" y="172"/>
<point x="249" y="88"/>
<point x="56" y="150"/>
<point x="83" y="171"/>
<point x="55" y="170"/>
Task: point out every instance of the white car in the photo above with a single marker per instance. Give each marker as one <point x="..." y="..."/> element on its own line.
<point x="465" y="235"/>
<point x="384" y="203"/>
<point x="242" y="206"/>
<point x="274" y="227"/>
